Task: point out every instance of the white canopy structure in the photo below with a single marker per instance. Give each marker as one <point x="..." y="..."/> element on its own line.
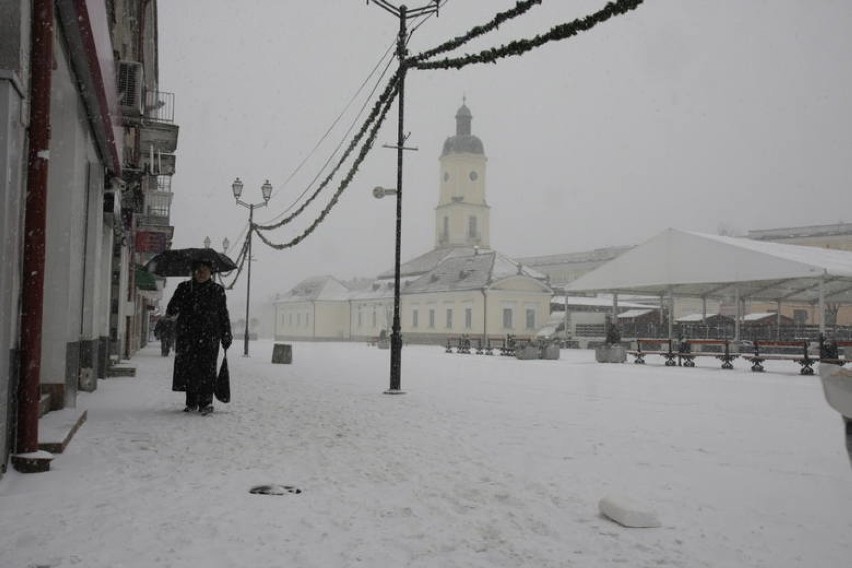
<point x="682" y="263"/>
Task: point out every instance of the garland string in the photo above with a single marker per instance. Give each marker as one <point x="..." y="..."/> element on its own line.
<point x="519" y="47"/>
<point x="452" y="44"/>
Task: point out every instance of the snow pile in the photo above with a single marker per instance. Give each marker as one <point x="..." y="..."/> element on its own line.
<point x="628" y="512"/>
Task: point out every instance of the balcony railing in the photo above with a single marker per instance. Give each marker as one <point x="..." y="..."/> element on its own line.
<point x="158" y="204"/>
<point x="160" y="106"/>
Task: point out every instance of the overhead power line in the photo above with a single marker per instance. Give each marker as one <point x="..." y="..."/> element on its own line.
<point x="340" y="144"/>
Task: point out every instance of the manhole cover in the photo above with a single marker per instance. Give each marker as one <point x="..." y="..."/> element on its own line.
<point x="275" y="490"/>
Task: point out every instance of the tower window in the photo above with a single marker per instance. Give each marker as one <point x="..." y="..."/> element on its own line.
<point x="473" y="176"/>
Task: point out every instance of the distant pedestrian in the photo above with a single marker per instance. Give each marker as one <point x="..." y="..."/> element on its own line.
<point x="202" y="324"/>
<point x="164" y="330"/>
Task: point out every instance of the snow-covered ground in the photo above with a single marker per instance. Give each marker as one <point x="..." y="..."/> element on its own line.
<point x="485" y="462"/>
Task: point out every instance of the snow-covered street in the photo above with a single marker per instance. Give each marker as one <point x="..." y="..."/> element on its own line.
<point x="485" y="462"/>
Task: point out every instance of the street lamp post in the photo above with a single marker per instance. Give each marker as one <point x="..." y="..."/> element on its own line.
<point x="403" y="14"/>
<point x="266" y="190"/>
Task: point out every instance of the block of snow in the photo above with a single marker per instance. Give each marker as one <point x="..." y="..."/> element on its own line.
<point x="837" y="386"/>
<point x="628" y="512"/>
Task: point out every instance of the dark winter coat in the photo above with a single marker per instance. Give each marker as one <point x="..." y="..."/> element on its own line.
<point x="202" y="324"/>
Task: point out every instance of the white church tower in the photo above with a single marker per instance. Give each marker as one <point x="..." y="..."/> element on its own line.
<point x="462" y="215"/>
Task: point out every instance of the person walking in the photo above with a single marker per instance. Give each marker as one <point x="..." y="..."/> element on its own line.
<point x="203" y="323"/>
<point x="164" y="330"/>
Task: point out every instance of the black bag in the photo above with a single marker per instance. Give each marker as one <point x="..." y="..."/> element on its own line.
<point x="222" y="388"/>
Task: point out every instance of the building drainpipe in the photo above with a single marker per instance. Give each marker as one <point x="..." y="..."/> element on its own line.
<point x="27" y="458"/>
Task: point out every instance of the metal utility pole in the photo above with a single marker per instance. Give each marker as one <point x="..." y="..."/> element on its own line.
<point x="403" y="14"/>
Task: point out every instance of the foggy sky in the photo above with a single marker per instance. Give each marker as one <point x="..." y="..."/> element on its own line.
<point x="701" y="115"/>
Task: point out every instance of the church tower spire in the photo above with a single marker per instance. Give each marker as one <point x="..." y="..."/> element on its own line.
<point x="462" y="217"/>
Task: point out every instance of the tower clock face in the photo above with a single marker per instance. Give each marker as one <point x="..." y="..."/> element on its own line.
<point x="473" y="176"/>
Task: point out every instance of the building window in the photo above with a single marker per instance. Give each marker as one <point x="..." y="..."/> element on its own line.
<point x="471" y="227"/>
<point x="800" y="317"/>
<point x="468" y="318"/>
<point x="374" y="316"/>
<point x="360" y="318"/>
<point x="507" y="318"/>
<point x="530" y="318"/>
<point x="446" y="233"/>
<point x="449" y="318"/>
<point x="414" y="318"/>
<point x="290" y="319"/>
<point x="307" y="320"/>
<point x="298" y="319"/>
<point x="432" y="318"/>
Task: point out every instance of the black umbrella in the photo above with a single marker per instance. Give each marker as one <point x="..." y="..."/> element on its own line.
<point x="178" y="262"/>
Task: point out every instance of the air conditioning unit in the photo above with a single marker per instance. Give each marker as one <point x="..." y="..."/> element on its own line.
<point x="130" y="82"/>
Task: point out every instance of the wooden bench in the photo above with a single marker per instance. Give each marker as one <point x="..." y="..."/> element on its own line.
<point x="725" y="355"/>
<point x="684" y="355"/>
<point x="668" y="353"/>
<point x="803" y="358"/>
<point x="493" y="342"/>
<point x="462" y="343"/>
<point x="506" y="345"/>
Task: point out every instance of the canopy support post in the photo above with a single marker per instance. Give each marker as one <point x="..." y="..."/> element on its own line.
<point x="778" y="319"/>
<point x="615" y="309"/>
<point x="739" y="313"/>
<point x="822" y="305"/>
<point x="671" y="311"/>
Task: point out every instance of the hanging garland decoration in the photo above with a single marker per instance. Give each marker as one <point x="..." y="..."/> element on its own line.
<point x="519" y="47"/>
<point x="455" y="43"/>
<point x="240" y="262"/>
<point x="365" y="149"/>
<point x="387" y="95"/>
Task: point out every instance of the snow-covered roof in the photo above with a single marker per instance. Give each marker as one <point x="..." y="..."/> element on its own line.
<point x="635" y="313"/>
<point x="316" y="288"/>
<point x="690" y="318"/>
<point x="439" y="270"/>
<point x="474" y="270"/>
<point x="695" y="264"/>
<point x="599" y="301"/>
<point x="760" y="316"/>
<point x="427" y="261"/>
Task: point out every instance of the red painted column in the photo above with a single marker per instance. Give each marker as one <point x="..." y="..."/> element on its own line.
<point x="34" y="228"/>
